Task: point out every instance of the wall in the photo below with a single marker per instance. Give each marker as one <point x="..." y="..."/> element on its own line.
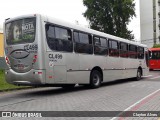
<point x="1" y="45"/>
<point x="2" y="59"/>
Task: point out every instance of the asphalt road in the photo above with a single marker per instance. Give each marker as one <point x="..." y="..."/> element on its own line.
<point x="120" y="95"/>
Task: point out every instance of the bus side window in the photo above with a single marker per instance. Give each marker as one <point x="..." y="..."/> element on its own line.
<point x="132" y="51"/>
<point x="76" y="36"/>
<point x="123" y="50"/>
<point x="83" y="43"/>
<point x="59" y="38"/>
<point x="97" y="41"/>
<point x="62" y="34"/>
<point x="100" y="46"/>
<point x="50" y="32"/>
<point x="50" y="35"/>
<point x="140" y="53"/>
<point x="155" y="55"/>
<point x="113" y="48"/>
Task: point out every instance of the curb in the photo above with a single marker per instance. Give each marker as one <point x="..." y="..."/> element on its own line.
<point x="14" y="89"/>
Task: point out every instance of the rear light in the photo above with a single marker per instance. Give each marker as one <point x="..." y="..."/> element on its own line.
<point x="35" y="58"/>
<point x="7" y="60"/>
<point x="50" y="77"/>
<point x="38" y="73"/>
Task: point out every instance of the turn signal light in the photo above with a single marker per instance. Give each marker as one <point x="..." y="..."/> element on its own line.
<point x="35" y="58"/>
<point x="7" y="61"/>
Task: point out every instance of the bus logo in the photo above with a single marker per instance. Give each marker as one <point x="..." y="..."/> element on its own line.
<point x="6" y="114"/>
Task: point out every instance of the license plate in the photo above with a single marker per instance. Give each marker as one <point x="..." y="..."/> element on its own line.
<point x="20" y="66"/>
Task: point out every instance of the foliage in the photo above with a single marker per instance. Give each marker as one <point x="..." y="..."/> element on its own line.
<point x="110" y="16"/>
<point x="4" y="86"/>
<point x="156" y="46"/>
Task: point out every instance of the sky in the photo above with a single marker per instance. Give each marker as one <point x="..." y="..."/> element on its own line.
<point x="67" y="10"/>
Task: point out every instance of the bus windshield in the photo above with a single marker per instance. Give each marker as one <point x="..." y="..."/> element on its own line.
<point x="155" y="55"/>
<point x="21" y="31"/>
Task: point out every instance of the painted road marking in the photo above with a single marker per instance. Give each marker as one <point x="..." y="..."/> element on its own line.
<point x="140" y="101"/>
<point x="155" y="77"/>
<point x="147" y="76"/>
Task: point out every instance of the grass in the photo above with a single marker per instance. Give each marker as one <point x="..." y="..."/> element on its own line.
<point x="4" y="86"/>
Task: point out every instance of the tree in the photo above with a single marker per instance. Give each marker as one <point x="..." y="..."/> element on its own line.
<point x="156" y="46"/>
<point x="110" y="16"/>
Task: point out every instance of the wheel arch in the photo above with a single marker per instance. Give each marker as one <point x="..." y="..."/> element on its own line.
<point x="98" y="69"/>
<point x="140" y="68"/>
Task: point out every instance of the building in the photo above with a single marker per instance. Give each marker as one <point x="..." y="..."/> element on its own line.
<point x="150" y="22"/>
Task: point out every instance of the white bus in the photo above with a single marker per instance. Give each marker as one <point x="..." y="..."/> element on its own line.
<point x="42" y="51"/>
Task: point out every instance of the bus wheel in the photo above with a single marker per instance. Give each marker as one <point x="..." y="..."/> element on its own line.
<point x="95" y="79"/>
<point x="69" y="86"/>
<point x="139" y="74"/>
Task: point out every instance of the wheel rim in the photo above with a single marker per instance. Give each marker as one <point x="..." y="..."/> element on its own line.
<point x="96" y="79"/>
<point x="139" y="74"/>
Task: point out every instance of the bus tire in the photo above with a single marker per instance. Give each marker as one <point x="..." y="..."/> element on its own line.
<point x="95" y="79"/>
<point x="139" y="74"/>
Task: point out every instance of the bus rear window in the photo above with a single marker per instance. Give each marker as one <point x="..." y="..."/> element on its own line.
<point x="21" y="31"/>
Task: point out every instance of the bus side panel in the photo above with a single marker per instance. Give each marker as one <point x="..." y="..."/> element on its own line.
<point x="85" y="62"/>
<point x="113" y="69"/>
<point x="130" y="66"/>
<point x="154" y="64"/>
<point x="80" y="77"/>
<point x="74" y="73"/>
<point x="88" y="62"/>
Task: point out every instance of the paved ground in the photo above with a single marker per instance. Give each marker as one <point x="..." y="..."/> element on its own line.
<point x="122" y="95"/>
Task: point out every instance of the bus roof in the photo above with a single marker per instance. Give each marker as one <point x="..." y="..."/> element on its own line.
<point x="77" y="27"/>
<point x="154" y="49"/>
<point x="91" y="31"/>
